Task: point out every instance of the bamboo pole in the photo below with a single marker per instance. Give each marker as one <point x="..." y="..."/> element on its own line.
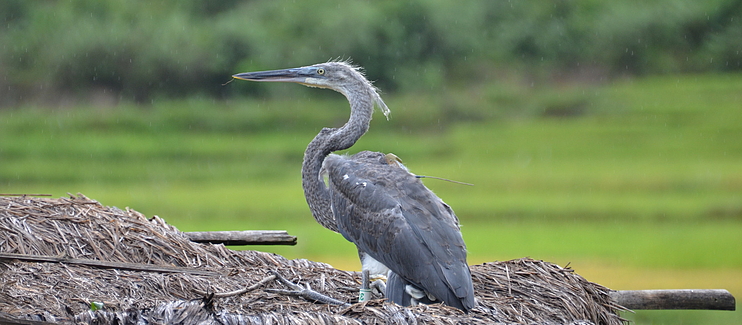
<point x="246" y="237"/>
<point x="708" y="299"/>
<point x="106" y="264"/>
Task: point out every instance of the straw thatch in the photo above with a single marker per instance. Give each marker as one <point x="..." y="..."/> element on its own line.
<point x="143" y="270"/>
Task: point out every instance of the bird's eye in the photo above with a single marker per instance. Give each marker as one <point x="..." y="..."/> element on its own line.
<point x="320" y="71"/>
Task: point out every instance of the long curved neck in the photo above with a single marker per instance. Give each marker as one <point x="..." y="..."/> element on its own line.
<point x="327" y="141"/>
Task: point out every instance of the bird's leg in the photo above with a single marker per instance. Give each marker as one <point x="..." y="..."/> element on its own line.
<point x="365" y="293"/>
<point x="306" y="293"/>
<point x="371" y="285"/>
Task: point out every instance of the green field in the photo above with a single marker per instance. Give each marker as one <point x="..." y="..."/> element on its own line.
<point x="637" y="183"/>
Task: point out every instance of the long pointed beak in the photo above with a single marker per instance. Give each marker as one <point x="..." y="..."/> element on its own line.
<point x="285" y="75"/>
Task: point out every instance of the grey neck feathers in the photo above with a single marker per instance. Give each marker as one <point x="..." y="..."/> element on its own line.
<point x="327" y="141"/>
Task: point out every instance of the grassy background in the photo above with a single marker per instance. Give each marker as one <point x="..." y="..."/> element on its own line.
<point x="637" y="184"/>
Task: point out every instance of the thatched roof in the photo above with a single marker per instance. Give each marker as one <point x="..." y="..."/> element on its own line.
<point x="126" y="246"/>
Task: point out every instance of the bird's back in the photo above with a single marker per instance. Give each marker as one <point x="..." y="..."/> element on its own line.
<point x="389" y="214"/>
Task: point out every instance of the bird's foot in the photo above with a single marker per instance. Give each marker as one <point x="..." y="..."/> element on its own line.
<point x="418" y="295"/>
<point x="306" y="293"/>
<point x="379" y="287"/>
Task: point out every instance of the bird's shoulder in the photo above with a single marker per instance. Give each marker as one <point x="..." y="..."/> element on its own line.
<point x="370" y="177"/>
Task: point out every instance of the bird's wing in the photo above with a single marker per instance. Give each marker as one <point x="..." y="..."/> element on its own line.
<point x="392" y="216"/>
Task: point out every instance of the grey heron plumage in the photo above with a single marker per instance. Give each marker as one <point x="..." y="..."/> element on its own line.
<point x="375" y="202"/>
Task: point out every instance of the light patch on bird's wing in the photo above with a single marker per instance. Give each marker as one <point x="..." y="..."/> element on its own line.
<point x="393" y="160"/>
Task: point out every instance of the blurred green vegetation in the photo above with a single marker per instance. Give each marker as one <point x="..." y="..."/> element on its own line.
<point x="656" y="150"/>
<point x="122" y="50"/>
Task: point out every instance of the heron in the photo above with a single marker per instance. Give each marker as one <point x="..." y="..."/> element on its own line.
<point x="400" y="227"/>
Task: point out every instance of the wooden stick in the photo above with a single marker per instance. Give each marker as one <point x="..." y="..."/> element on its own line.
<point x="238" y="291"/>
<point x="709" y="299"/>
<point x="9" y="319"/>
<point x="246" y="237"/>
<point x="106" y="264"/>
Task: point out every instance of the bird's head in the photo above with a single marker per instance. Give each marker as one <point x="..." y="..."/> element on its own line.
<point x="336" y="75"/>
